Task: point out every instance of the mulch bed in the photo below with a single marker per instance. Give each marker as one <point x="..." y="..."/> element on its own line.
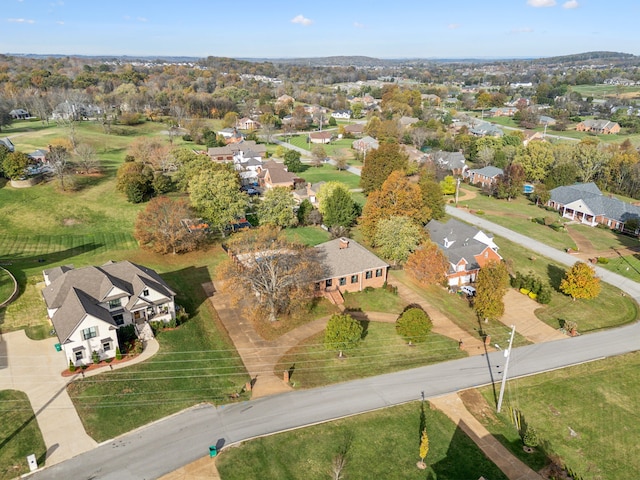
<point x="95" y="366"/>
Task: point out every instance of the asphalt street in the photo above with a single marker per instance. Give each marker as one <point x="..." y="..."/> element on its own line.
<point x="167" y="445"/>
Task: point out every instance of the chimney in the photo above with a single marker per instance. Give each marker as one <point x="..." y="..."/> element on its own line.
<point x="344" y="243"/>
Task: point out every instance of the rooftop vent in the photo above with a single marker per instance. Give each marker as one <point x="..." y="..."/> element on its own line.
<point x="344" y="243"/>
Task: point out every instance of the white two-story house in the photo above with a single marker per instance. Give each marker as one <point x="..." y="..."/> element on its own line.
<point x="88" y="305"/>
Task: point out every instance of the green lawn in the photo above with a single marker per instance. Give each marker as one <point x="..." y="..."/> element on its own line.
<point x="307" y="235"/>
<point x="341" y="144"/>
<point x="587" y="415"/>
<point x="377" y="300"/>
<point x="599" y="91"/>
<point x="19" y="435"/>
<point x="329" y="173"/>
<point x="381" y="351"/>
<point x="382" y="444"/>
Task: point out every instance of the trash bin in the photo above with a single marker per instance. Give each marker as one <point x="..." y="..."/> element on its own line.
<point x="58" y="347"/>
<point x="213" y="451"/>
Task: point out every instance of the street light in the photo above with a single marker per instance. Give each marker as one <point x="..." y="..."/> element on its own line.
<point x="507" y="355"/>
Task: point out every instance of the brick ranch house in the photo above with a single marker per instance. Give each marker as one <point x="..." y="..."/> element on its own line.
<point x="88" y="305"/>
<point x="350" y="267"/>
<point x="585" y="203"/>
<point x="605" y="127"/>
<point x="467" y="249"/>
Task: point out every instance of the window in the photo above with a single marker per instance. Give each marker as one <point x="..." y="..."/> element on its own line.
<point x="354" y="278"/>
<point x="145" y="292"/>
<point x="106" y="346"/>
<point x="79" y="355"/>
<point x="90" y="332"/>
<point x="379" y="272"/>
<point x="343" y="281"/>
<point x="119" y="319"/>
<point x="114" y="303"/>
<point x="329" y="282"/>
<point x="368" y="275"/>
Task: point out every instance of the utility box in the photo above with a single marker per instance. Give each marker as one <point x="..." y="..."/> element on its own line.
<point x="58" y="347"/>
<point x="33" y="463"/>
<point x="213" y="451"/>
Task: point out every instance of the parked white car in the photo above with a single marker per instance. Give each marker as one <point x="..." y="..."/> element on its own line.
<point x="468" y="290"/>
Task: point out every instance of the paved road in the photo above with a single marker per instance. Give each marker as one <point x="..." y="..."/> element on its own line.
<point x="626" y="285"/>
<point x="171" y="443"/>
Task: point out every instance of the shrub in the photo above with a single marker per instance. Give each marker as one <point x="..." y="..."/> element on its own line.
<point x="532" y="286"/>
<point x="479" y="212"/>
<point x="72" y="367"/>
<point x="532" y="295"/>
<point x="187" y="138"/>
<point x="544" y="295"/>
<point x="95" y="357"/>
<point x="368" y="289"/>
<point x="603" y="260"/>
<point x="118" y="354"/>
<point x="530" y="437"/>
<point x="548" y="221"/>
<point x="414" y="325"/>
<point x="525" y="291"/>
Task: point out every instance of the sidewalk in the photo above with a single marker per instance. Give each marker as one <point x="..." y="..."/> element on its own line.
<point x="451" y="405"/>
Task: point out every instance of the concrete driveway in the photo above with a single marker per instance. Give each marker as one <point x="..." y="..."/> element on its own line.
<point x="35" y="367"/>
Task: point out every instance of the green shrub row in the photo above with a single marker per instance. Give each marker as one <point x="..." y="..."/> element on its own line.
<point x="531" y="285"/>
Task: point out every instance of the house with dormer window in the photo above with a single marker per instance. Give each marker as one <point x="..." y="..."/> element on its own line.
<point x="86" y="306"/>
<point x="467" y="249"/>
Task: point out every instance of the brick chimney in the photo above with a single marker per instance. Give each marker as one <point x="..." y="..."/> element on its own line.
<point x="344" y="243"/>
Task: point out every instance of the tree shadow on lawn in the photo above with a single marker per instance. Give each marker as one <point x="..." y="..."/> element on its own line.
<point x="187" y="283"/>
<point x="556" y="274"/>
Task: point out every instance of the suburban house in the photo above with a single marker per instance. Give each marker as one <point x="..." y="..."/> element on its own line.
<point x="19" y="114"/>
<point x="467" y="249"/>
<point x="365" y="144"/>
<point x="354" y="129"/>
<point x="321" y="137"/>
<point x="605" y="127"/>
<point x="531" y="135"/>
<point x="6" y="142"/>
<point x="88" y="305"/>
<point x="237" y="152"/>
<point x="247" y="123"/>
<point x="342" y="114"/>
<point x="273" y="174"/>
<point x="349" y="267"/>
<point x="485" y="176"/>
<point x="453" y="162"/>
<point x="503" y="111"/>
<point x="546" y="120"/>
<point x="585" y="203"/>
<point x="486" y="129"/>
<point x="231" y="135"/>
<point x="308" y="192"/>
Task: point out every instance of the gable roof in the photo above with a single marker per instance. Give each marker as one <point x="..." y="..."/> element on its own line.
<point x="489" y="171"/>
<point x="76" y="307"/>
<point x="277" y="172"/>
<point x="594" y="200"/>
<point x="449" y="160"/>
<point x="6" y="141"/>
<point x="458" y="241"/>
<point x="341" y="262"/>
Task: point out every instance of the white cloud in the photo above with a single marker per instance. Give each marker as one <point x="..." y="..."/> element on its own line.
<point x="522" y="30"/>
<point x="302" y="20"/>
<point x="358" y="25"/>
<point x="541" y="3"/>
<point x="453" y="26"/>
<point x="571" y="4"/>
<point x="60" y="22"/>
<point x="142" y="19"/>
<point x="20" y="20"/>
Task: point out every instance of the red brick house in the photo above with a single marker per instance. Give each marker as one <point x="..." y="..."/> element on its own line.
<point x="605" y="127"/>
<point x="467" y="249"/>
<point x="350" y="267"/>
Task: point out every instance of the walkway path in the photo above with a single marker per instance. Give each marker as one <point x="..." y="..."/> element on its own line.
<point x="519" y="311"/>
<point x="452" y="406"/>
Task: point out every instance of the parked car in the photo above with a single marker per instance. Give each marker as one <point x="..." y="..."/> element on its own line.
<point x="249" y="190"/>
<point x="468" y="290"/>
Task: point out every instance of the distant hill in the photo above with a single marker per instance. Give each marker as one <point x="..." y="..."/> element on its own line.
<point x="598" y="58"/>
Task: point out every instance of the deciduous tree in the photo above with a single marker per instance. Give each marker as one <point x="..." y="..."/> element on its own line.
<point x="159" y="227"/>
<point x="491" y="286"/>
<point x="424" y="445"/>
<point x="216" y="195"/>
<point x="580" y="281"/>
<point x="397" y="197"/>
<point x="338" y="208"/>
<point x="343" y="332"/>
<point x="428" y="265"/>
<point x="273" y="274"/>
<point x="59" y="159"/>
<point x="319" y="153"/>
<point x="15" y="164"/>
<point x="135" y="180"/>
<point x="379" y="165"/>
<point x="448" y="185"/>
<point x="86" y="158"/>
<point x="414" y="325"/>
<point x="292" y="161"/>
<point x="396" y="237"/>
<point x="432" y="197"/>
<point x="276" y="208"/>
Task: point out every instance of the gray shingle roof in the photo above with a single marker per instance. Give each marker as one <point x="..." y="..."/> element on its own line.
<point x="449" y="160"/>
<point x="76" y="306"/>
<point x="456" y="240"/>
<point x="593" y="199"/>
<point x="489" y="171"/>
<point x="347" y="261"/>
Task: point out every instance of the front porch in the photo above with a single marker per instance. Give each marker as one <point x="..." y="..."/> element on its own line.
<point x="578" y="216"/>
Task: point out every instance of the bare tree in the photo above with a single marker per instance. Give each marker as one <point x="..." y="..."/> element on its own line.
<point x="86" y="158"/>
<point x="486" y="156"/>
<point x="59" y="159"/>
<point x="179" y="113"/>
<point x="340" y="156"/>
<point x="418" y="137"/>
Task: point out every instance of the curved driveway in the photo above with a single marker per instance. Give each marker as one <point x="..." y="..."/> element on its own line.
<point x="164" y="446"/>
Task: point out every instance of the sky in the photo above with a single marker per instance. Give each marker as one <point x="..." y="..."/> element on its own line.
<point x="304" y="28"/>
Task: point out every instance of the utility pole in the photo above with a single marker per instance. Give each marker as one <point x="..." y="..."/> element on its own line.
<point x="507" y="355"/>
<point x="457" y="190"/>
